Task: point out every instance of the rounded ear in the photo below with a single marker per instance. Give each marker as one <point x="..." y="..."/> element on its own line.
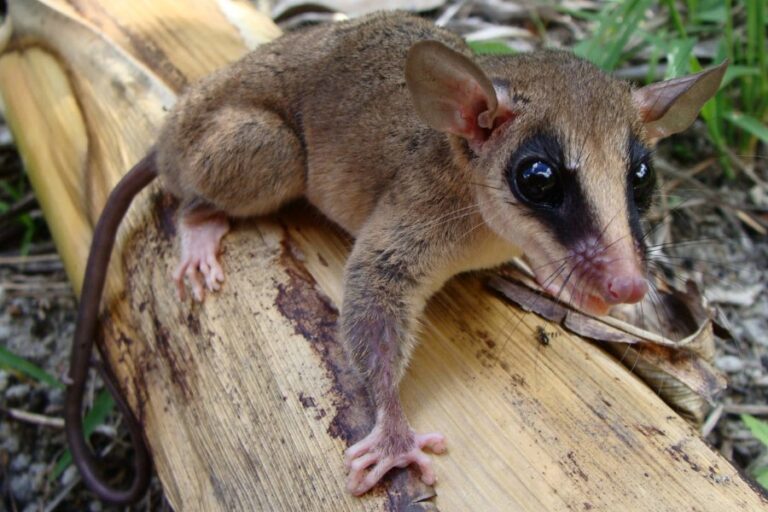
<point x="671" y="106"/>
<point x="450" y="92"/>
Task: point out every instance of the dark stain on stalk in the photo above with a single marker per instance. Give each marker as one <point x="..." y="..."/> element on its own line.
<point x="165" y="208"/>
<point x="316" y="320"/>
<point x="178" y="368"/>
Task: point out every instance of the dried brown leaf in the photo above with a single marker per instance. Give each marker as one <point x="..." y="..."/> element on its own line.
<point x="671" y="352"/>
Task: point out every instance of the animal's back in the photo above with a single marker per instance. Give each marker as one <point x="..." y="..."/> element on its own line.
<point x="341" y="90"/>
<point x="360" y="126"/>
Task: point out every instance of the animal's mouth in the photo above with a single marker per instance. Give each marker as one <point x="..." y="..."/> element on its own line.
<point x="594" y="305"/>
<point x="595" y="292"/>
<point x="579" y="297"/>
<point x="594" y="277"/>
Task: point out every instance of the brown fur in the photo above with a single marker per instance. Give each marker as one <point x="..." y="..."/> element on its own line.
<point x="326" y="114"/>
<point x="340" y="128"/>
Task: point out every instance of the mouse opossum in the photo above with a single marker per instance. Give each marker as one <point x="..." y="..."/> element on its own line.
<point x="437" y="161"/>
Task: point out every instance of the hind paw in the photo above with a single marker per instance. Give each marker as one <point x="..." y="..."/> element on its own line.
<point x="200" y="247"/>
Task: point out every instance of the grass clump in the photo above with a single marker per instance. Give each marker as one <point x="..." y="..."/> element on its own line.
<point x="680" y="35"/>
<point x="759" y="429"/>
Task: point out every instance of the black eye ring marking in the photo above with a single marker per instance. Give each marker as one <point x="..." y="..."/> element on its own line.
<point x="538" y="183"/>
<point x="536" y="173"/>
<point x="643" y="183"/>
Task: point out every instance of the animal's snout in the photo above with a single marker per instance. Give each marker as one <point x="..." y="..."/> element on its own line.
<point x="625" y="289"/>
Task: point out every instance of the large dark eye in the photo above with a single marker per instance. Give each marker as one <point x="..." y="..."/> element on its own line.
<point x="643" y="181"/>
<point x="539" y="183"/>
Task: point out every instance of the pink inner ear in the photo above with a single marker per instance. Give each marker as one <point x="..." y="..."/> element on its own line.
<point x="468" y="102"/>
<point x="502" y="116"/>
<point x="477" y="121"/>
<point x="472" y="117"/>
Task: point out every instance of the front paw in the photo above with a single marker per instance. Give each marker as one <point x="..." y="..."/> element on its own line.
<point x="379" y="452"/>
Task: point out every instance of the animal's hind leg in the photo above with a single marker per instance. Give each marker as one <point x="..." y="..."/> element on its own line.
<point x="246" y="162"/>
<point x="201" y="229"/>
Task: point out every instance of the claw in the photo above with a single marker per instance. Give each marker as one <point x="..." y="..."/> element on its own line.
<point x="193" y="276"/>
<point x="200" y="244"/>
<point x="178" y="278"/>
<point x="434" y="441"/>
<point x="368" y="454"/>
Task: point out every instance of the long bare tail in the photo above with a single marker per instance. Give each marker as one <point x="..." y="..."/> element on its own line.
<point x="86" y="331"/>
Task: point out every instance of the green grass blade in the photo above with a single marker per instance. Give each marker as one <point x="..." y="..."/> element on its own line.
<point x="736" y="72"/>
<point x="628" y="25"/>
<point x="491" y="48"/>
<point x="749" y="124"/>
<point x="714" y="14"/>
<point x="728" y="32"/>
<point x="758" y="428"/>
<point x="762" y="477"/>
<point x="653" y="63"/>
<point x="693" y="9"/>
<point x="10" y="360"/>
<point x="577" y="13"/>
<point x="616" y="23"/>
<point x="14" y="192"/>
<point x="103" y="406"/>
<point x="679" y="57"/>
<point x="760" y="36"/>
<point x="677" y="20"/>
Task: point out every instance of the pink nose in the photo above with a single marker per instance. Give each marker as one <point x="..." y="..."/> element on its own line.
<point x="626" y="289"/>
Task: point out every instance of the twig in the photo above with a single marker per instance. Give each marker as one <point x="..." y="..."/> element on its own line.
<point x="37" y="286"/>
<point x="751" y="222"/>
<point x="686" y="175"/>
<point x="42" y="247"/>
<point x="55" y="422"/>
<point x="51" y="506"/>
<point x="18" y="260"/>
<point x="449" y="13"/>
<point x="711" y="422"/>
<point x="711" y="197"/>
<point x="40" y="264"/>
<point x="35" y="419"/>
<point x="753" y="409"/>
<point x="23" y="205"/>
<point x="746" y="169"/>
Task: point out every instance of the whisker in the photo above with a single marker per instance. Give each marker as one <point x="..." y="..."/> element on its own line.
<point x="663" y="258"/>
<point x="552" y="262"/>
<point x="684" y="243"/>
<point x="452" y="216"/>
<point x="655" y="298"/>
<point x="554" y="275"/>
<point x="487" y="186"/>
<point x="626" y="351"/>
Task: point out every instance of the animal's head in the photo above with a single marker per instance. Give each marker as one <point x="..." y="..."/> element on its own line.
<point x="559" y="155"/>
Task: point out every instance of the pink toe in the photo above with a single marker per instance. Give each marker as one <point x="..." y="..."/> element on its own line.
<point x="197" y="285"/>
<point x="374" y="475"/>
<point x="425" y="466"/>
<point x="356" y="450"/>
<point x="363" y="462"/>
<point x="434" y="441"/>
<point x="427" y="475"/>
